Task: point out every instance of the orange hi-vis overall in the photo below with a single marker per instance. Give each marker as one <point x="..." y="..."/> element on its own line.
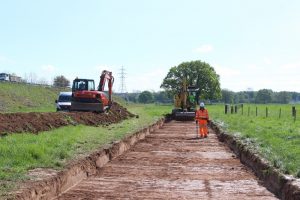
<point x="202" y="118"/>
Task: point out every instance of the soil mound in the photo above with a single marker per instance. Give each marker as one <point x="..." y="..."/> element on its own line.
<point x="37" y="122"/>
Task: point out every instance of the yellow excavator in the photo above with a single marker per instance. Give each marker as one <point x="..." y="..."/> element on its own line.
<point x="185" y="103"/>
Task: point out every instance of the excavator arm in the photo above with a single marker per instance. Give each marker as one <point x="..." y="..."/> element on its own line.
<point x="106" y="76"/>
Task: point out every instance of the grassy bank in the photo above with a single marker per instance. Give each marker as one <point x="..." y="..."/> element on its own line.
<point x="54" y="149"/>
<point x="276" y="139"/>
<point x="16" y="97"/>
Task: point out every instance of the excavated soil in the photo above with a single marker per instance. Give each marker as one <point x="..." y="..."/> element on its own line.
<point x="172" y="164"/>
<point x="37" y="122"/>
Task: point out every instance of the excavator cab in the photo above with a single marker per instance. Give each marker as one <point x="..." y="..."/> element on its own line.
<point x="83" y="84"/>
<point x="191" y="103"/>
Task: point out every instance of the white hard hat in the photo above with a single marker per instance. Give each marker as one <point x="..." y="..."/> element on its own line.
<point x="201" y="104"/>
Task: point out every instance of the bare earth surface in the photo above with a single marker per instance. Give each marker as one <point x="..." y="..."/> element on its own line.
<point x="172" y="164"/>
<point x="37" y="122"/>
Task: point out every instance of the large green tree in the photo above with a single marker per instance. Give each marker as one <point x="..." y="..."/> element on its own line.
<point x="196" y="73"/>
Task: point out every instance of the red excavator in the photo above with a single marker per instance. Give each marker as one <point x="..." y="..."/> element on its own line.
<point x="86" y="98"/>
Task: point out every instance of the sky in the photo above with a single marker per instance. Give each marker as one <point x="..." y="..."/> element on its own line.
<point x="251" y="44"/>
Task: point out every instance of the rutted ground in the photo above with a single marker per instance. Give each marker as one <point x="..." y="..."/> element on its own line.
<point x="172" y="164"/>
<point x="37" y="122"/>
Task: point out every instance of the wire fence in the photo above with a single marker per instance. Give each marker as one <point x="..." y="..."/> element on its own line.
<point x="267" y="111"/>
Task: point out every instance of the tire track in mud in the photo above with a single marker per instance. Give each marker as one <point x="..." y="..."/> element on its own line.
<point x="171" y="164"/>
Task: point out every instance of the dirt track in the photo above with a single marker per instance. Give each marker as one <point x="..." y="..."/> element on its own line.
<point x="172" y="164"/>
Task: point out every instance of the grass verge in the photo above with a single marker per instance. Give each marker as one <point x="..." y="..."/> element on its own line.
<point x="54" y="149"/>
<point x="276" y="140"/>
<point x="17" y="97"/>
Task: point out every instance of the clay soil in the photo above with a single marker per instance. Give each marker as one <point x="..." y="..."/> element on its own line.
<point x="37" y="122"/>
<point x="172" y="164"/>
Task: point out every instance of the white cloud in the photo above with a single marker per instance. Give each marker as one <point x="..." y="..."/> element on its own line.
<point x="267" y="61"/>
<point x="226" y="72"/>
<point x="206" y="48"/>
<point x="290" y="66"/>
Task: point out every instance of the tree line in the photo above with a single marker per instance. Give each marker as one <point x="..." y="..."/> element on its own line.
<point x="149" y="97"/>
<point x="262" y="96"/>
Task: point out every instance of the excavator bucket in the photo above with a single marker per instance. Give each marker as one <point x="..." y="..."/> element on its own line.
<point x="180" y="115"/>
<point x="82" y="106"/>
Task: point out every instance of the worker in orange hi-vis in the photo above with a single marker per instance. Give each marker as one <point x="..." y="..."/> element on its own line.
<point x="202" y="118"/>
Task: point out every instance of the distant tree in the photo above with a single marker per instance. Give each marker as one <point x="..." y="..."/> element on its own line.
<point x="242" y="97"/>
<point x="146" y="97"/>
<point x="227" y="96"/>
<point x="236" y="98"/>
<point x="250" y="94"/>
<point x="133" y="97"/>
<point x="162" y="97"/>
<point x="264" y="96"/>
<point x="295" y="96"/>
<point x="196" y="73"/>
<point x="60" y="81"/>
<point x="283" y="97"/>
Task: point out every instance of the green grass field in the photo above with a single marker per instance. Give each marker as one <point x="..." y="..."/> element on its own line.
<point x="53" y="149"/>
<point x="277" y="140"/>
<point x="27" y="98"/>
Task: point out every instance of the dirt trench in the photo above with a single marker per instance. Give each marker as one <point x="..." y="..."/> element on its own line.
<point x="172" y="164"/>
<point x="38" y="122"/>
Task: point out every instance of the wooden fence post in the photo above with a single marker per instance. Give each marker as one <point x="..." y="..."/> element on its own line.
<point x="226" y="108"/>
<point x="242" y="109"/>
<point x="267" y="113"/>
<point x="235" y="108"/>
<point x="279" y="113"/>
<point x="231" y="109"/>
<point x="293" y="111"/>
